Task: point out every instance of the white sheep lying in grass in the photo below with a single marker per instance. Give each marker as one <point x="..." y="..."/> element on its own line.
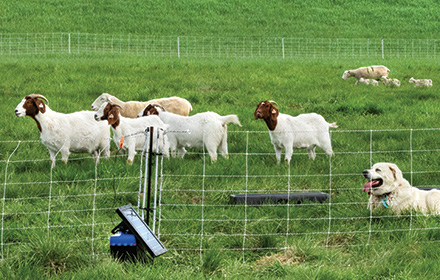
<point x="66" y="133"/>
<point x="420" y="82"/>
<point x="390" y="82"/>
<point x="207" y="130"/>
<point x="129" y="132"/>
<point x="305" y="131"/>
<point x="370" y="72"/>
<point x="131" y="109"/>
<point x="369" y="82"/>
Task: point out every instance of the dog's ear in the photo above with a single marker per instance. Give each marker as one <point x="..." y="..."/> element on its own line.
<point x="394" y="173"/>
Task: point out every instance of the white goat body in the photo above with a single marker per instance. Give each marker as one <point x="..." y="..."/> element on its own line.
<point x="390" y="82"/>
<point x="131" y="109"/>
<point x="131" y="131"/>
<point x="206" y="129"/>
<point x="420" y="82"/>
<point x="77" y="132"/>
<point x="305" y="131"/>
<point x="369" y="81"/>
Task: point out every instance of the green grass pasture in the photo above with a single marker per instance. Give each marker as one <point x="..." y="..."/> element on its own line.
<point x="58" y="222"/>
<point x="280" y="18"/>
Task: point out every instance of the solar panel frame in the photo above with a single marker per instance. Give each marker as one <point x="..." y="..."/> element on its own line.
<point x="141" y="230"/>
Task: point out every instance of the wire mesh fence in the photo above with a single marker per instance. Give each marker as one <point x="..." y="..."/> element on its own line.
<point x="76" y="202"/>
<point x="215" y="47"/>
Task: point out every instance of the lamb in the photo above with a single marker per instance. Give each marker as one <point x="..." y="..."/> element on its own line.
<point x="369" y="82"/>
<point x="370" y="72"/>
<point x="305" y="131"/>
<point x="66" y="133"/>
<point x="127" y="132"/>
<point x="390" y="82"/>
<point x="131" y="109"/>
<point x="420" y="82"/>
<point x="204" y="129"/>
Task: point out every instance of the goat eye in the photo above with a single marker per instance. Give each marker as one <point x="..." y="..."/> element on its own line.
<point x="377" y="170"/>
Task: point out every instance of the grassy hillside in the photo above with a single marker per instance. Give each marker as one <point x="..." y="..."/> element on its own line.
<point x="280" y="18"/>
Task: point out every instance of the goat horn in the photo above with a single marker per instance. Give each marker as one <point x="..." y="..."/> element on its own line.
<point x="273" y="103"/>
<point x="157" y="105"/>
<point x="39" y="96"/>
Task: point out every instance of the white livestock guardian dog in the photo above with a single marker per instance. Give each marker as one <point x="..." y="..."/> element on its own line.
<point x="388" y="188"/>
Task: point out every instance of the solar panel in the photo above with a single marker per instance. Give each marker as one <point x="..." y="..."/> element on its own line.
<point x="140" y="229"/>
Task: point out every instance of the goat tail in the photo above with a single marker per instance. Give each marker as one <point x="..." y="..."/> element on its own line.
<point x="230" y="119"/>
<point x="333" y="125"/>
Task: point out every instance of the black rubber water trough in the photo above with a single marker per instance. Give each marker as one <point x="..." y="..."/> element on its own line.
<point x="274" y="198"/>
<point x="428" y="189"/>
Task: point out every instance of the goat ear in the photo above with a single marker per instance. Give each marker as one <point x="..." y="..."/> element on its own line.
<point x="40" y="105"/>
<point x="274" y="113"/>
<point x="113" y="115"/>
<point x="111" y="119"/>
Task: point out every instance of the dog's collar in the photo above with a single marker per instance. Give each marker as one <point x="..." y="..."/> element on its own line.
<point x="384" y="202"/>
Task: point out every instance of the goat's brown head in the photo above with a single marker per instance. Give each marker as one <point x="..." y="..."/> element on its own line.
<point x="30" y="106"/>
<point x="109" y="112"/>
<point x="268" y="112"/>
<point x="151" y="109"/>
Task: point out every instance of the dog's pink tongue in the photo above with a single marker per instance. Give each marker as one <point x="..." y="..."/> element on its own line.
<point x="367" y="186"/>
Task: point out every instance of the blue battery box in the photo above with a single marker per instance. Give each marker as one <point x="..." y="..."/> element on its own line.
<point x="123" y="245"/>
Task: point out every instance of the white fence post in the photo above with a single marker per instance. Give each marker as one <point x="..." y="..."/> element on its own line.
<point x="178" y="46"/>
<point x="283" y="47"/>
<point x="382" y="50"/>
<point x="69" y="42"/>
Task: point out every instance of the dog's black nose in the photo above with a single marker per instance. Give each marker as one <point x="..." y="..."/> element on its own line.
<point x="366" y="173"/>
